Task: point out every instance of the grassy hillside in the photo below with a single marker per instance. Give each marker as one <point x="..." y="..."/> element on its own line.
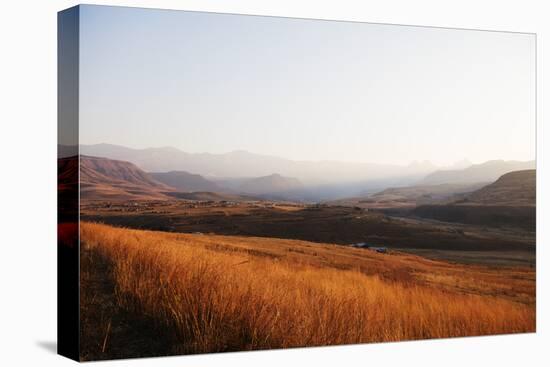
<point x="156" y="293"/>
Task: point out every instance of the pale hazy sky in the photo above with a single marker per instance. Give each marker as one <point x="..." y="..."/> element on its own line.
<point x="304" y="89"/>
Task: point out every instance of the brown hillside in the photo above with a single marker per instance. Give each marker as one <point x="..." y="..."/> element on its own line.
<point x="103" y="170"/>
<point x="102" y="178"/>
<point x="508" y="202"/>
<point x="512" y="189"/>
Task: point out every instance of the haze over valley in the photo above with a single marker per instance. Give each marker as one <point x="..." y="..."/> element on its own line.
<point x="409" y="209"/>
<point x="248" y="173"/>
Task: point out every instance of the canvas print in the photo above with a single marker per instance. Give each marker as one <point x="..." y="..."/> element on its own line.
<point x="236" y="183"/>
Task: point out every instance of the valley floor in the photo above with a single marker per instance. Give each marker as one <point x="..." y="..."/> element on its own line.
<point x="457" y="242"/>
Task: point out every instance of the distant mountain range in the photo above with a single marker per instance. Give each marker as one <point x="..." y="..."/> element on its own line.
<point x="517" y="188"/>
<point x="242" y="164"/>
<point x="109" y="179"/>
<point x="241" y="172"/>
<point x="105" y="179"/>
<point x="484" y="172"/>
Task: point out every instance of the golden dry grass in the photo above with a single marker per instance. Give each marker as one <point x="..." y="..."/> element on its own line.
<point x="220" y="293"/>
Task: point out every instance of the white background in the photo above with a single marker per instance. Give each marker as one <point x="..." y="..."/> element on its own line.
<point x="28" y="183"/>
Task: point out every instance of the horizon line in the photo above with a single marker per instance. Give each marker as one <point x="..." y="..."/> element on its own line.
<point x="407" y="164"/>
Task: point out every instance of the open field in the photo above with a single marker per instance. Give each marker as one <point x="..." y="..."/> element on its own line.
<point x="324" y="224"/>
<point x="155" y="293"/>
<point x="523" y="217"/>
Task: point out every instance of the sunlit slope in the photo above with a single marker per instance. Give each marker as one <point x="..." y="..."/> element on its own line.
<point x="220" y="293"/>
<point x="512" y="189"/>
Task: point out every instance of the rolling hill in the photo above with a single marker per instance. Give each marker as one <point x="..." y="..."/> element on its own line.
<point x="185" y="181"/>
<point x="102" y="170"/>
<point x="109" y="179"/>
<point x="512" y="189"/>
<point x="484" y="172"/>
<point x="269" y="185"/>
<point x="424" y="194"/>
<point x="509" y="201"/>
<point x="409" y="196"/>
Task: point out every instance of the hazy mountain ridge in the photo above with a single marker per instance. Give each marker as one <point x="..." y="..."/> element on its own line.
<point x="108" y="179"/>
<point x="516" y="188"/>
<point x="509" y="201"/>
<point x="428" y="192"/>
<point x="185" y="181"/>
<point x="271" y="184"/>
<point x="409" y="196"/>
<point x="484" y="172"/>
<point x="242" y="164"/>
<point x="237" y="172"/>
